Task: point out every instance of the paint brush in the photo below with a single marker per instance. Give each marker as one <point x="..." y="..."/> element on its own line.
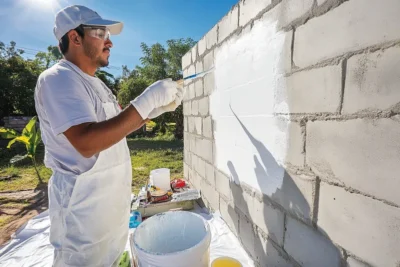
<point x="196" y="75"/>
<point x="173" y="105"/>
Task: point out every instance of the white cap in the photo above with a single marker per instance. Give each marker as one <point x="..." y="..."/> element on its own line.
<point x="71" y="17"/>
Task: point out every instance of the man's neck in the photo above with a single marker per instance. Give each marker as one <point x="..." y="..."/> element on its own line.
<point x="83" y="65"/>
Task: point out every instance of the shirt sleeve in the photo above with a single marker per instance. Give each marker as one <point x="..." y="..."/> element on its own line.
<point x="65" y="101"/>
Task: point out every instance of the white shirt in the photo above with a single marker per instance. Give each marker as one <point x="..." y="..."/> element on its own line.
<point x="66" y="96"/>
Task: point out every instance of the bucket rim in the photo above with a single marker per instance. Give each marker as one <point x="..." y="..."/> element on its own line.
<point x="206" y="236"/>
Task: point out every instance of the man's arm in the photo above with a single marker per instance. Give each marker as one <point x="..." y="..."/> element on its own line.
<point x="93" y="137"/>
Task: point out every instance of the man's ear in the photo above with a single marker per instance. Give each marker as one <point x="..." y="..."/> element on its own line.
<point x="74" y="38"/>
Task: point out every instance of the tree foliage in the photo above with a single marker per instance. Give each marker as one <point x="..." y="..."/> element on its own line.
<point x="17" y="81"/>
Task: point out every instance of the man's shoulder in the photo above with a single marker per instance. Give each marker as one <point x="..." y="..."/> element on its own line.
<point x="57" y="73"/>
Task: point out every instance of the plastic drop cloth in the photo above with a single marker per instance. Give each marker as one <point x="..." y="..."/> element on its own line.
<point x="30" y="245"/>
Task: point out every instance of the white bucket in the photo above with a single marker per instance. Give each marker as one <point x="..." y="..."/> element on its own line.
<point x="173" y="239"/>
<point x="161" y="178"/>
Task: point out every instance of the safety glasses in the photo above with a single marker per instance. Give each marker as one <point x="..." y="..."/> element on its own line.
<point x="99" y="33"/>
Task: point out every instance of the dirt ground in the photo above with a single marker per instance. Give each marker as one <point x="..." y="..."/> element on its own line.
<point x="16" y="208"/>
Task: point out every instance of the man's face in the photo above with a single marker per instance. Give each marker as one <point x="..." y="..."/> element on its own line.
<point x="96" y="45"/>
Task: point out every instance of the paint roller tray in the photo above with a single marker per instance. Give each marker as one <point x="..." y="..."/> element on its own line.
<point x="178" y="203"/>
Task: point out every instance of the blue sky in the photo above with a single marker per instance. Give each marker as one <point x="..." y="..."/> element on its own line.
<point x="30" y="22"/>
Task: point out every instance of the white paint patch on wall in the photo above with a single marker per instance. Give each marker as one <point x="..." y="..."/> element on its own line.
<point x="251" y="144"/>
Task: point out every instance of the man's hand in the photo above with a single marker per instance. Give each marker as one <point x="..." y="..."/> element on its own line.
<point x="160" y="93"/>
<point x="170" y="107"/>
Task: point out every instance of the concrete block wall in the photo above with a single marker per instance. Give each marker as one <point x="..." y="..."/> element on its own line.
<point x="294" y="135"/>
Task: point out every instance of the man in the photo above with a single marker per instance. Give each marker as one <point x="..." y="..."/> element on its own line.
<point x="84" y="132"/>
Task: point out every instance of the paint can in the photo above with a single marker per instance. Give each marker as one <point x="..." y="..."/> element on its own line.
<point x="173" y="239"/>
<point x="161" y="178"/>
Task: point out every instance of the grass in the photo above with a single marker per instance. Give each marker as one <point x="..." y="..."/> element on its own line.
<point x="147" y="154"/>
<point x="24" y="172"/>
<point x="162" y="151"/>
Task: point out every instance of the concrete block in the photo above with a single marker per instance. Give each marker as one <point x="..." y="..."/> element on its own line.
<point x="188" y="157"/>
<point x="194" y="53"/>
<point x="210" y="175"/>
<point x="198" y="86"/>
<point x="198" y="125"/>
<point x="185" y="124"/>
<point x="361" y="153"/>
<point x="186" y="59"/>
<point x="309" y="247"/>
<point x="361" y="220"/>
<point x="291" y="11"/>
<point x="294" y="153"/>
<point x="186" y="144"/>
<point x="191" y="70"/>
<point x="208" y="61"/>
<point x="201" y="168"/>
<point x="247" y="235"/>
<point x="209" y="83"/>
<point x="228" y="24"/>
<point x="186" y="171"/>
<point x="199" y="66"/>
<point x="196" y="180"/>
<point x="204" y="147"/>
<point x="372" y="81"/>
<point x="249" y="9"/>
<point x="367" y="23"/>
<point x="212" y="37"/>
<point x="207" y="127"/>
<point x="191" y="124"/>
<point x="296" y="195"/>
<point x="195" y="159"/>
<point x="222" y="185"/>
<point x="351" y="262"/>
<point x="214" y="149"/>
<point x="204" y="106"/>
<point x="267" y="254"/>
<point x="192" y="91"/>
<point x="229" y="215"/>
<point x="202" y="46"/>
<point x="267" y="218"/>
<point x="315" y="90"/>
<point x="195" y="107"/>
<point x="187" y="108"/>
<point x="209" y="193"/>
<point x="192" y="144"/>
<point x="186" y="95"/>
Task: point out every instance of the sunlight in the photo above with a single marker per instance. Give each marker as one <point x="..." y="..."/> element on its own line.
<point x="42" y="5"/>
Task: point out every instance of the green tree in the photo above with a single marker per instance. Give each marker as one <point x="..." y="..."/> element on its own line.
<point x="109" y="80"/>
<point x="17" y="81"/>
<point x="49" y="58"/>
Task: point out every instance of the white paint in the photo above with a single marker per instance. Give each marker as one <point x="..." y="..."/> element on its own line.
<point x="173" y="239"/>
<point x="251" y="144"/>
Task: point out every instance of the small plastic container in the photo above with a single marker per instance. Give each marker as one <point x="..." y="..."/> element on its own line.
<point x="161" y="178"/>
<point x="135" y="219"/>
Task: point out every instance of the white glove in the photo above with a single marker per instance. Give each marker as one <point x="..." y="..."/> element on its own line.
<point x="170" y="107"/>
<point x="159" y="94"/>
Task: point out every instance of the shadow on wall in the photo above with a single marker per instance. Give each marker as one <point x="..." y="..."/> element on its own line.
<point x="267" y="251"/>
